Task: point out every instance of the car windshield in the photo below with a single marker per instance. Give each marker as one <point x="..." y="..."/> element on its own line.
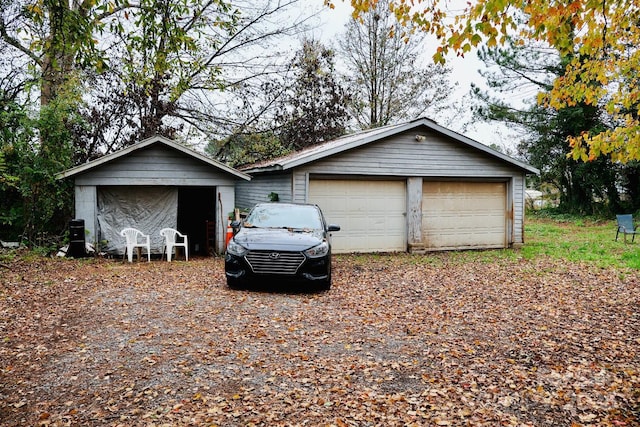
<point x="284" y="216"/>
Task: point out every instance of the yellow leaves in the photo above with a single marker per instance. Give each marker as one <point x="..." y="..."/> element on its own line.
<point x="361" y="6"/>
<point x="476" y="39"/>
<point x="622" y="144"/>
<point x="34" y="9"/>
<point x="596" y="33"/>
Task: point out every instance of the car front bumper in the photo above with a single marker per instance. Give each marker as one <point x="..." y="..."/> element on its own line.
<point x="246" y="269"/>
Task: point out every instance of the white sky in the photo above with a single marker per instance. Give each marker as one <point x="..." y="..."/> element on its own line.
<point x="465" y="71"/>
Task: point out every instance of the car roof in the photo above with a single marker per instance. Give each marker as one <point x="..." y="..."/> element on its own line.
<point x="285" y="204"/>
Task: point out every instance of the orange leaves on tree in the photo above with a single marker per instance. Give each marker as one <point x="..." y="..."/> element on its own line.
<point x="601" y="36"/>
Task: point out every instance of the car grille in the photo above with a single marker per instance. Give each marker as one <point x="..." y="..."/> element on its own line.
<point x="271" y="262"/>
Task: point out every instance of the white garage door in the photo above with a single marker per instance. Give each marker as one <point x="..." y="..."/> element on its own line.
<point x="463" y="215"/>
<point x="371" y="214"/>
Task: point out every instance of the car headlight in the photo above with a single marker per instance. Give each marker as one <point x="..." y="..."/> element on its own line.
<point x="235" y="248"/>
<point x="318" y="251"/>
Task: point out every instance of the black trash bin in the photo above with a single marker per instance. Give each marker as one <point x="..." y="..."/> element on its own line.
<point x="77" y="245"/>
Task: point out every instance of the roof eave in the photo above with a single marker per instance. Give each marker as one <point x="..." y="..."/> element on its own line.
<point x="271" y="168"/>
<point x="145" y="143"/>
<point x="393" y="130"/>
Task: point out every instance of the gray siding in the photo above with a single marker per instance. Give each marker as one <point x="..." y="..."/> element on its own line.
<point x="301" y="186"/>
<point x="402" y="155"/>
<point x="434" y="158"/>
<point x="518" y="208"/>
<point x="155" y="165"/>
<point x="86" y="202"/>
<point x="248" y="193"/>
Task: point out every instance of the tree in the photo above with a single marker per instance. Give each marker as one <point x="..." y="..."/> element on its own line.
<point x="172" y="63"/>
<point x="522" y="67"/>
<point x="313" y="107"/>
<point x="33" y="204"/>
<point x="187" y="78"/>
<point x="56" y="37"/>
<point x="169" y="51"/>
<point x="602" y="71"/>
<point x="305" y="106"/>
<point x="387" y="84"/>
<point x="11" y="117"/>
<point x="247" y="148"/>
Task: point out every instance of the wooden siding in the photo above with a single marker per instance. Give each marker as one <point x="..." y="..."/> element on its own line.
<point x="414" y="210"/>
<point x="155" y="165"/>
<point x="518" y="193"/>
<point x="437" y="157"/>
<point x="300" y="186"/>
<point x="402" y="155"/>
<point x="248" y="193"/>
<point x="86" y="202"/>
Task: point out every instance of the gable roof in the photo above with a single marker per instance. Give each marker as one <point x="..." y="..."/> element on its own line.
<point x="358" y="139"/>
<point x="147" y="143"/>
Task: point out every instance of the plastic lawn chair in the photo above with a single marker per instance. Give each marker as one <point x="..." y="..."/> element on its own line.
<point x="136" y="239"/>
<point x="170" y="241"/>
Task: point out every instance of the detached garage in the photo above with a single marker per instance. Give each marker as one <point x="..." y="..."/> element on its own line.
<point x="151" y="185"/>
<point x="414" y="186"/>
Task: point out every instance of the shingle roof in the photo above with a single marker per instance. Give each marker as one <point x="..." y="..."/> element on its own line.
<point x="354" y="140"/>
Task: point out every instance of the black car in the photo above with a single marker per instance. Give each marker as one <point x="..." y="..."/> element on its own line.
<point x="284" y="241"/>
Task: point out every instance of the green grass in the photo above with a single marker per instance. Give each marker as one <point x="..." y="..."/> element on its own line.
<point x="571" y="238"/>
<point x="579" y="239"/>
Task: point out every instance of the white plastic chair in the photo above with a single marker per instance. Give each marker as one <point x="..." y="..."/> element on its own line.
<point x="136" y="239"/>
<point x="170" y="242"/>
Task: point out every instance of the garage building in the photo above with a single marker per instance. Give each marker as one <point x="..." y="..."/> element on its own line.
<point x="415" y="186"/>
<point x="151" y="185"/>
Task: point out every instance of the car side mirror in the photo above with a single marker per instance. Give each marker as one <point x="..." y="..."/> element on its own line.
<point x="235" y="225"/>
<point x="333" y="227"/>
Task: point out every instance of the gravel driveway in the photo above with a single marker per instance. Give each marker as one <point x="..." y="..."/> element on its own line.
<point x="399" y="340"/>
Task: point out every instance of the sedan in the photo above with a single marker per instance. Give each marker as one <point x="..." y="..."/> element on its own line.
<point x="283" y="241"/>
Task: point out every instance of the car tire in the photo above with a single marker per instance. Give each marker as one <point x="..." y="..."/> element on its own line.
<point x="325" y="285"/>
<point x="233" y="283"/>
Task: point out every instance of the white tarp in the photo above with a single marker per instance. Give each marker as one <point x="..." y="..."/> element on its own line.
<point x="149" y="209"/>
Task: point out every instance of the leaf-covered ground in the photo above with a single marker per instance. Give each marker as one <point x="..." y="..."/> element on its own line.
<point x="399" y="340"/>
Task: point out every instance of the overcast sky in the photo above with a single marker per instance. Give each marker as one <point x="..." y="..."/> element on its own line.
<point x="465" y="71"/>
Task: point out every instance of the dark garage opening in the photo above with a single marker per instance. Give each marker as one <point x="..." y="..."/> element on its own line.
<point x="196" y="206"/>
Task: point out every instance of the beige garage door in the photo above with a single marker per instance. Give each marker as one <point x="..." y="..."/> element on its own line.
<point x="371" y="214"/>
<point x="463" y="215"/>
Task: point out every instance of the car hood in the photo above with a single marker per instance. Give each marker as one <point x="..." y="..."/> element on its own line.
<point x="278" y="239"/>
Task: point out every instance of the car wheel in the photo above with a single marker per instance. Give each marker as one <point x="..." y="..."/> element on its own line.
<point x="325" y="285"/>
<point x="233" y="283"/>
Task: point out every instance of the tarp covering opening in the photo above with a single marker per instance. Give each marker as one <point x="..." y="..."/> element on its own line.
<point x="149" y="209"/>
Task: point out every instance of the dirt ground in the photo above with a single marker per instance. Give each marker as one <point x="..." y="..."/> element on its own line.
<point x="399" y="340"/>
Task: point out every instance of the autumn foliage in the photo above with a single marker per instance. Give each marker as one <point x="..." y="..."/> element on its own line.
<point x="599" y="38"/>
<point x="400" y="340"/>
